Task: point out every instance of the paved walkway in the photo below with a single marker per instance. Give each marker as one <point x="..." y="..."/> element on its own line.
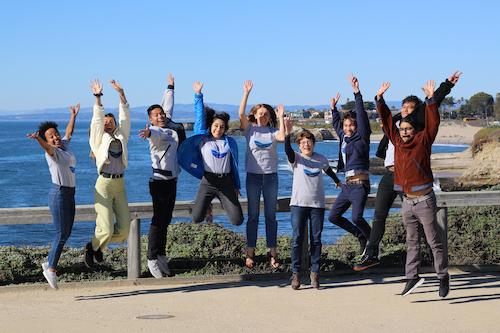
<point x="354" y="303"/>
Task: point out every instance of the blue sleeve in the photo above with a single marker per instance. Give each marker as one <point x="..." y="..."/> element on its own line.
<point x="199" y="115"/>
<point x="234" y="163"/>
<point x="363" y="129"/>
<point x="337" y="124"/>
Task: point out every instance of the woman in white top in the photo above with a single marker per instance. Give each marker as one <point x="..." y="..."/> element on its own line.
<point x="61" y="162"/>
<point x="262" y="171"/>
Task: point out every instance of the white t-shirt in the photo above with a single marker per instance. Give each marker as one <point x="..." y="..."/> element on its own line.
<point x="62" y="165"/>
<point x="307" y="188"/>
<point x="216" y="156"/>
<point x="262" y="154"/>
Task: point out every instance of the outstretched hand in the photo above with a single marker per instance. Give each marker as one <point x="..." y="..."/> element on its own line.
<point x="145" y="133"/>
<point x="247" y="86"/>
<point x="428" y="88"/>
<point x="354" y="83"/>
<point x="96" y="87"/>
<point x="280" y="111"/>
<point x="170" y="79"/>
<point x="454" y="77"/>
<point x="383" y="88"/>
<point x="33" y="135"/>
<point x="117" y="86"/>
<point x="197" y="86"/>
<point x="334" y="101"/>
<point x="75" y="109"/>
<point x="288" y="126"/>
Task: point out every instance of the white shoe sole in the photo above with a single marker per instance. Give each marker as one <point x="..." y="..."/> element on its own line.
<point x="418" y="284"/>
<point x="51" y="284"/>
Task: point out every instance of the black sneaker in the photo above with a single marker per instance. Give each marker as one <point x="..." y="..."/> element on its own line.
<point x="444" y="286"/>
<point x="88" y="255"/>
<point x="411" y="285"/>
<point x="98" y="256"/>
<point x="367" y="261"/>
<point x="362" y="244"/>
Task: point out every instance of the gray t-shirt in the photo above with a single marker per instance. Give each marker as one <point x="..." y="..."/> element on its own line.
<point x="163" y="143"/>
<point x="262" y="154"/>
<point x="216" y="156"/>
<point x="308" y="189"/>
<point x="62" y="165"/>
<point x="115" y="166"/>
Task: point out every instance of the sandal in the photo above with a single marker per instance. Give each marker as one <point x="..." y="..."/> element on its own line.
<point x="273" y="260"/>
<point x="250" y="258"/>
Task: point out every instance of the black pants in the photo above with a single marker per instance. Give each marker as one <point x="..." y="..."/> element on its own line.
<point x="383" y="202"/>
<point x="222" y="188"/>
<point x="163" y="193"/>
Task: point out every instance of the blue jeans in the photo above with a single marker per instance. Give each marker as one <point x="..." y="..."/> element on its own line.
<point x="355" y="195"/>
<point x="62" y="208"/>
<point x="267" y="184"/>
<point x="300" y="215"/>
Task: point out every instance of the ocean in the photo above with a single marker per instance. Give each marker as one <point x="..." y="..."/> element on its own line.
<point x="25" y="181"/>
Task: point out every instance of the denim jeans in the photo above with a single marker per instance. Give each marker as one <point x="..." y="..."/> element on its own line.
<point x="300" y="215"/>
<point x="267" y="184"/>
<point x="355" y="195"/>
<point x="163" y="193"/>
<point x="62" y="208"/>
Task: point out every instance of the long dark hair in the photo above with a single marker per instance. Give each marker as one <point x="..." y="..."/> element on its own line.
<point x="44" y="126"/>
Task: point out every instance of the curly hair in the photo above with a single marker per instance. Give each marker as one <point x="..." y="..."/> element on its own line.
<point x="351" y="115"/>
<point x="217" y="115"/>
<point x="44" y="126"/>
<point x="272" y="114"/>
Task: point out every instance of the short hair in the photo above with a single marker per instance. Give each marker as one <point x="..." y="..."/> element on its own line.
<point x="110" y="115"/>
<point x="412" y="99"/>
<point x="44" y="126"/>
<point x="305" y="134"/>
<point x="269" y="108"/>
<point x="351" y="115"/>
<point x="219" y="115"/>
<point x="412" y="120"/>
<point x="154" y="106"/>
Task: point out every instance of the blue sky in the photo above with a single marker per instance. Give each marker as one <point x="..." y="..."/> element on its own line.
<point x="295" y="52"/>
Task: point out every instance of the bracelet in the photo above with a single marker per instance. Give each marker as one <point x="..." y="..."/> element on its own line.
<point x="98" y="95"/>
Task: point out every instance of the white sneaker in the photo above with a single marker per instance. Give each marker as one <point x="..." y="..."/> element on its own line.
<point x="45" y="266"/>
<point x="51" y="278"/>
<point x="163" y="263"/>
<point x="154" y="268"/>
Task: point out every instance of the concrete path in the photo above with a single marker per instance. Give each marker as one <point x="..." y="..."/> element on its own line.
<point x="354" y="303"/>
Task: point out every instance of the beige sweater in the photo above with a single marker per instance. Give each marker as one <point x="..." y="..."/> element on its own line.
<point x="99" y="140"/>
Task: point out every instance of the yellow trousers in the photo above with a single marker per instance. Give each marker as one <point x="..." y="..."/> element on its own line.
<point x="110" y="198"/>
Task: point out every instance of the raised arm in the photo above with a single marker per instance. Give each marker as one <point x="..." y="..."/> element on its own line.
<point x="167" y="101"/>
<point x="123" y="110"/>
<point x="247" y="88"/>
<point x="290" y="154"/>
<point x="280" y="136"/>
<point x="97" y="122"/>
<point x="432" y="118"/>
<point x="71" y="124"/>
<point x="445" y="87"/>
<point x="45" y="146"/>
<point x="337" y="125"/>
<point x="363" y="123"/>
<point x="388" y="125"/>
<point x="199" y="110"/>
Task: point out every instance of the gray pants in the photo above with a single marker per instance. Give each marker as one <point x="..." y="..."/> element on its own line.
<point x="423" y="210"/>
<point x="222" y="188"/>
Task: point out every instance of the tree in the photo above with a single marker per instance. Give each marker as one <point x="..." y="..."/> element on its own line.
<point x="482" y="104"/>
<point x="497" y="107"/>
<point x="350" y="105"/>
<point x="369" y="105"/>
<point x="447" y="107"/>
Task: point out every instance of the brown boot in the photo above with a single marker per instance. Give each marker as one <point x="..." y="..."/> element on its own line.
<point x="314" y="280"/>
<point x="295" y="281"/>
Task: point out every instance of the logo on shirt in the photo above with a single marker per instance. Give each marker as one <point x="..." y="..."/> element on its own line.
<point x="217" y="154"/>
<point x="72" y="169"/>
<point x="312" y="172"/>
<point x="263" y="145"/>
<point x="115" y="154"/>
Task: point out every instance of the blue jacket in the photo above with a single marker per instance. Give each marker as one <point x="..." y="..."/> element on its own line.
<point x="189" y="152"/>
<point x="358" y="145"/>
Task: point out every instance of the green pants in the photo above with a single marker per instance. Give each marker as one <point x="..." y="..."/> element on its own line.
<point x="110" y="198"/>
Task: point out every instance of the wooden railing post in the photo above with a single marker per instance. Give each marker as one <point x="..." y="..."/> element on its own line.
<point x="134" y="250"/>
<point x="442" y="220"/>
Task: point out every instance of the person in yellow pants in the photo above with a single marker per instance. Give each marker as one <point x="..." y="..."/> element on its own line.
<point x="108" y="142"/>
